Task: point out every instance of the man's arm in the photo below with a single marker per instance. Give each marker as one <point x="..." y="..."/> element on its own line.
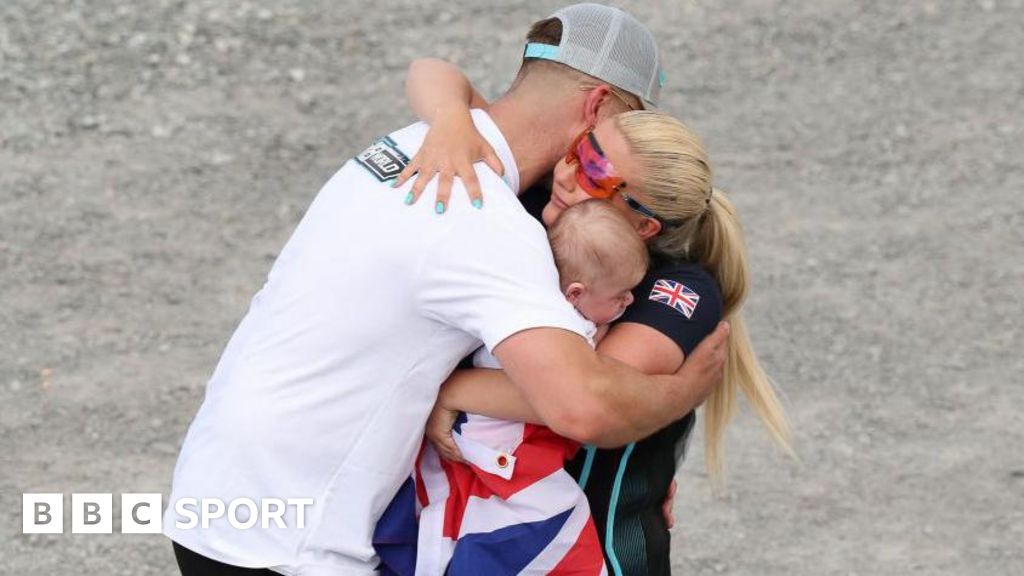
<point x="490" y="393"/>
<point x="600" y="400"/>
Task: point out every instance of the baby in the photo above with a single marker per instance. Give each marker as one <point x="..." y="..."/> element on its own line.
<point x="511" y="507"/>
<point x="600" y="259"/>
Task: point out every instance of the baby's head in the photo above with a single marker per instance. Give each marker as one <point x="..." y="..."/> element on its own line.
<point x="600" y="258"/>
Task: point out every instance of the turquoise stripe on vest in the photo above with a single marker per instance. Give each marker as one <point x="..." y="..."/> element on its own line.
<point x="609" y="534"/>
<point x="588" y="464"/>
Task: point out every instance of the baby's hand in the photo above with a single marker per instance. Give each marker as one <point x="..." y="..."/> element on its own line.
<point x="439" y="432"/>
<point x="451" y="147"/>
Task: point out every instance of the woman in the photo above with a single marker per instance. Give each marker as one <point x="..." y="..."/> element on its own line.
<point x="655" y="171"/>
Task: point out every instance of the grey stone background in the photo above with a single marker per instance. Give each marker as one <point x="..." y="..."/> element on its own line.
<point x="154" y="157"/>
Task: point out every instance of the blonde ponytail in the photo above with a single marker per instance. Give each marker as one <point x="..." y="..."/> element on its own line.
<point x="718" y="246"/>
<point x="703" y="227"/>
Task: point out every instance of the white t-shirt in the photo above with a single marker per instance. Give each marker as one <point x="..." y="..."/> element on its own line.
<point x="324" y="388"/>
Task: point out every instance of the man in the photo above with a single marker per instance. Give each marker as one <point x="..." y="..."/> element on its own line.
<point x="323" y="390"/>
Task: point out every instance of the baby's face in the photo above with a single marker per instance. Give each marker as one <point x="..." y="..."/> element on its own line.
<point x="604" y="302"/>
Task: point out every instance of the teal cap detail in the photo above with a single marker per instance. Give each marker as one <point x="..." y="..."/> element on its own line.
<point x="661" y="79"/>
<point x="543" y="51"/>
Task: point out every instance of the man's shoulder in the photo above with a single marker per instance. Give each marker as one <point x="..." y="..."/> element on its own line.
<point x="503" y="215"/>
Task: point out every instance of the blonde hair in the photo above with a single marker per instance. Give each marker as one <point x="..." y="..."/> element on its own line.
<point x="593" y="242"/>
<point x="700" y="224"/>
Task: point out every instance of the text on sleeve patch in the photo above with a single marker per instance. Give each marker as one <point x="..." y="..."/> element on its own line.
<point x="383" y="159"/>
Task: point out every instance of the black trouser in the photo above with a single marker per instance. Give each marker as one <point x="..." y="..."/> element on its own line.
<point x="193" y="564"/>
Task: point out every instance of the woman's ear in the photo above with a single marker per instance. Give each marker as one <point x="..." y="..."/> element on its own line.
<point x="648" y="228"/>
<point x="574" y="292"/>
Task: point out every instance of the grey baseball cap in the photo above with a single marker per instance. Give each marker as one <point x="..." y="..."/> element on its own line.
<point x="608" y="44"/>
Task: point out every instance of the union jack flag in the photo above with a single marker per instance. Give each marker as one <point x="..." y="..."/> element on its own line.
<point x="676" y="295"/>
<point x="511" y="508"/>
<point x="506" y="511"/>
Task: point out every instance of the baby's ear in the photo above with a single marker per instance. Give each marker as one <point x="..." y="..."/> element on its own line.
<point x="574" y="292"/>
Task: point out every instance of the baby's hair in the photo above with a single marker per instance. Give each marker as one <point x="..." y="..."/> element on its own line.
<point x="593" y="242"/>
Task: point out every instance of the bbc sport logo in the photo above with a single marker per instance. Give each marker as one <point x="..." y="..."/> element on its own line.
<point x="93" y="513"/>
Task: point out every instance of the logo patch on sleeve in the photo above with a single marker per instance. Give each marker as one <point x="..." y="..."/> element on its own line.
<point x="384" y="160"/>
<point x="675" y="295"/>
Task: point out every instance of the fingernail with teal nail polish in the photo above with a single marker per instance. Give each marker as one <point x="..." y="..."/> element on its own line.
<point x="394" y="183"/>
<point x="439" y="208"/>
<point x="409" y="198"/>
<point x="478" y="203"/>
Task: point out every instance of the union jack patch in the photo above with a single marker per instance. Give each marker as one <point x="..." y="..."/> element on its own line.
<point x="675" y="295"/>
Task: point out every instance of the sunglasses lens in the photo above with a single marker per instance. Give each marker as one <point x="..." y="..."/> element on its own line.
<point x="592" y="167"/>
<point x="589" y="186"/>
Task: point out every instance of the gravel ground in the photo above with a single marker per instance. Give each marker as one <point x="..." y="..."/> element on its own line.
<point x="154" y="157"/>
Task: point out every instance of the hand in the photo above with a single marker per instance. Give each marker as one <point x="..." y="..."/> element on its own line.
<point x="439" y="432"/>
<point x="451" y="147"/>
<point x="703" y="369"/>
<point x="667" y="506"/>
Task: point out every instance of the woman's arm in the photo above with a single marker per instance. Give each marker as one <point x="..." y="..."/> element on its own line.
<point x="432" y="85"/>
<point x="441" y="95"/>
<point x="643" y="348"/>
